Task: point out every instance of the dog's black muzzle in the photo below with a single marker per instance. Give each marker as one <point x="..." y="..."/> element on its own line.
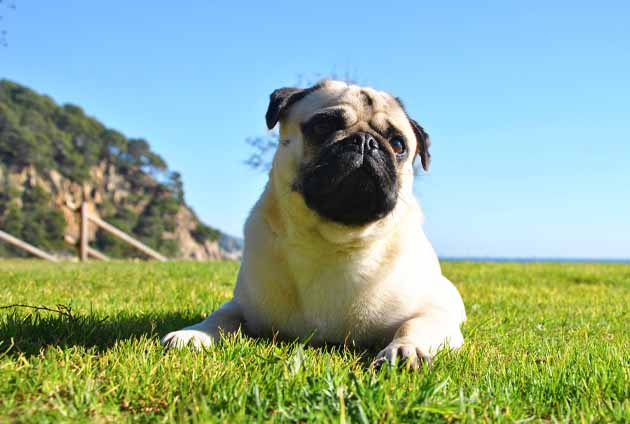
<point x="353" y="181"/>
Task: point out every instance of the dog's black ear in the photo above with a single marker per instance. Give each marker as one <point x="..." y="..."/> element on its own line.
<point x="422" y="138"/>
<point x="279" y="101"/>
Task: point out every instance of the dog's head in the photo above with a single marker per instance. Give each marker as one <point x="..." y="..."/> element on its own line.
<point x="347" y="150"/>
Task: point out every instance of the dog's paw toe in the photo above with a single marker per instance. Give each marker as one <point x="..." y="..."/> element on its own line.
<point x="193" y="339"/>
<point x="401" y="353"/>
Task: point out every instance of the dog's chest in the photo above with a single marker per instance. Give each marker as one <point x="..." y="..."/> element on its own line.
<point x="332" y="303"/>
<point x="335" y="301"/>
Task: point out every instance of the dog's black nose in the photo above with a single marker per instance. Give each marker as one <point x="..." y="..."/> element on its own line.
<point x="371" y="143"/>
<point x="366" y="141"/>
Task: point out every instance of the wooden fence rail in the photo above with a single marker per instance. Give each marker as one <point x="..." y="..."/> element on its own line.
<point x="84" y="248"/>
<point x="91" y="252"/>
<point x="25" y="246"/>
<point x="85" y="251"/>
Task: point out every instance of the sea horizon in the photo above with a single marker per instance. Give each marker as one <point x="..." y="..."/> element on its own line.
<point x="533" y="259"/>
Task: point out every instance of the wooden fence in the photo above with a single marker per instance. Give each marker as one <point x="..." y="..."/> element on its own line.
<point x="85" y="251"/>
<point x="25" y="246"/>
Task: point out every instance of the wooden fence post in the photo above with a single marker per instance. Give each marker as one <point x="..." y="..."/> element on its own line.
<point x="84" y="249"/>
<point x="83" y="243"/>
<point x="91" y="251"/>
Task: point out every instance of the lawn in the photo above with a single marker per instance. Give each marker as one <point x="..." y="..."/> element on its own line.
<point x="543" y="342"/>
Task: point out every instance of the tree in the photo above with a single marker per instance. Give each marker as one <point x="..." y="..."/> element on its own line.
<point x="36" y="221"/>
<point x="263" y="147"/>
<point x="176" y="186"/>
<point x="11" y="223"/>
<point x="42" y="223"/>
<point x="158" y="218"/>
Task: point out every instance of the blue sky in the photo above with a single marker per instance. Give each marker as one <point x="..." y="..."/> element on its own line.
<point x="527" y="103"/>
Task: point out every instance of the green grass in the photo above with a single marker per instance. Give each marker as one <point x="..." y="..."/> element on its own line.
<point x="543" y="342"/>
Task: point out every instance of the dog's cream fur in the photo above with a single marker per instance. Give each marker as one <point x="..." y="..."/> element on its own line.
<point x="303" y="276"/>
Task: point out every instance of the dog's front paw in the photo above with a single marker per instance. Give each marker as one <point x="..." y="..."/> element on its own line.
<point x="193" y="339"/>
<point x="401" y="351"/>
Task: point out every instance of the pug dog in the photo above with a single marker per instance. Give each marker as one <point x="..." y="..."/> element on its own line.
<point x="334" y="248"/>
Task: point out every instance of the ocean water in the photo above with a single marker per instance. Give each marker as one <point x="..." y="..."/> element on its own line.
<point x="536" y="259"/>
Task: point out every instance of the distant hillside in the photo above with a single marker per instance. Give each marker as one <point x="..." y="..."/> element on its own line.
<point x="54" y="157"/>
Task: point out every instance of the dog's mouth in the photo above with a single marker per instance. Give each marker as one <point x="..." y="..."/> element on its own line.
<point x="352" y="182"/>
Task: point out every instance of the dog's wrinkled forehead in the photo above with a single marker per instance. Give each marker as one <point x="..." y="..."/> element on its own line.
<point x="360" y="103"/>
<point x="376" y="109"/>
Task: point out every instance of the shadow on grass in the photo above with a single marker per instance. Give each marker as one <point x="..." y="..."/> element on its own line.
<point x="28" y="332"/>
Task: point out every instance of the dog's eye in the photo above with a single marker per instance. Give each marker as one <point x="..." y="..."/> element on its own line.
<point x="323" y="128"/>
<point x="398" y="145"/>
<point x="323" y="124"/>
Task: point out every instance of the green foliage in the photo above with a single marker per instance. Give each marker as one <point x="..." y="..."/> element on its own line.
<point x="544" y="343"/>
<point x="36" y="221"/>
<point x="203" y="232"/>
<point x="11" y="222"/>
<point x="42" y="223"/>
<point x="159" y="218"/>
<point x="34" y="131"/>
<point x="123" y="219"/>
<point x="176" y="186"/>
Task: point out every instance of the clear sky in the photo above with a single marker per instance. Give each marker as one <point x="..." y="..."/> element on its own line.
<point x="527" y="103"/>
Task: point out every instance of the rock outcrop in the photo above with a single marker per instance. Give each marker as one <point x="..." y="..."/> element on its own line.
<point x="106" y="186"/>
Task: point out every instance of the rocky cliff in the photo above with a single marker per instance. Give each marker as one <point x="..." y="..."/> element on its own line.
<point x="106" y="188"/>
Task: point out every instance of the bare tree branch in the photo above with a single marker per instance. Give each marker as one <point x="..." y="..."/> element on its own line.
<point x="6" y="5"/>
<point x="60" y="309"/>
<point x="265" y="145"/>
